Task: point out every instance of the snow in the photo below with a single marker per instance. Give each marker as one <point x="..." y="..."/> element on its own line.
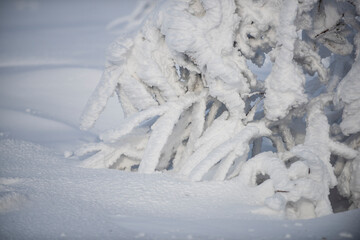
<point x="51" y="197"/>
<point x="285" y="84"/>
<point x="348" y="92"/>
<point x="52" y="56"/>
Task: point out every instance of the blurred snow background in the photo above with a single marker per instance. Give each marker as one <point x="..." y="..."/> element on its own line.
<point x="51" y="57"/>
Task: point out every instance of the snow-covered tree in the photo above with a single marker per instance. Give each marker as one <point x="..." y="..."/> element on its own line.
<point x="186" y="80"/>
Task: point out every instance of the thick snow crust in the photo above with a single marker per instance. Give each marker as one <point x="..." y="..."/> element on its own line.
<point x="285" y="84"/>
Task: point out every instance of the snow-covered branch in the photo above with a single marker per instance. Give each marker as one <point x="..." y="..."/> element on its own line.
<point x="194" y="105"/>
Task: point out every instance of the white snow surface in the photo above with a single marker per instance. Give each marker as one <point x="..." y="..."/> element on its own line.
<point x="52" y="56"/>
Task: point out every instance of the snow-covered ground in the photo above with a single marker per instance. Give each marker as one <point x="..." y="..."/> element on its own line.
<point x="51" y="58"/>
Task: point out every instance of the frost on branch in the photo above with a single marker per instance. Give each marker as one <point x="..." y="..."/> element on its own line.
<point x="285" y="84"/>
<point x="193" y="104"/>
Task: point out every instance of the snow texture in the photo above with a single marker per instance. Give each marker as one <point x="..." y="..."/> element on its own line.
<point x="245" y="113"/>
<point x="285" y="84"/>
<point x="193" y="104"/>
